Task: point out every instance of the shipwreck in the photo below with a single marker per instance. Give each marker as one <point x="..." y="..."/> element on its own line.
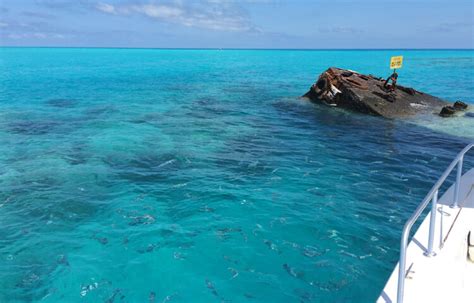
<point x="370" y="95"/>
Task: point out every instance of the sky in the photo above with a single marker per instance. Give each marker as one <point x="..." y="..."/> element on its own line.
<point x="313" y="24"/>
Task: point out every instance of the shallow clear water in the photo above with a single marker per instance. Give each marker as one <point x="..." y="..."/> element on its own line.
<point x="200" y="176"/>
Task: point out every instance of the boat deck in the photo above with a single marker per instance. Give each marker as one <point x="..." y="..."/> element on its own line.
<point x="448" y="275"/>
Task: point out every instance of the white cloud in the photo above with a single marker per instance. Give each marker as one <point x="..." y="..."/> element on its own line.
<point x="214" y="17"/>
<point x="15" y="30"/>
<point x="15" y="36"/>
<point x="159" y="11"/>
<point x="39" y="35"/>
<point x="242" y="1"/>
<point x="106" y="8"/>
<point x="340" y="30"/>
<point x="35" y="35"/>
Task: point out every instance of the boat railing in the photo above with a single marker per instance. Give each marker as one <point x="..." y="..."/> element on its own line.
<point x="432" y="197"/>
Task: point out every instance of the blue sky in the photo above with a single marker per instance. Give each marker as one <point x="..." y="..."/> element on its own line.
<point x="238" y="24"/>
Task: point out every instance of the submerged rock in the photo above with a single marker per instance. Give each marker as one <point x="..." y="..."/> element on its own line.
<point x="367" y="94"/>
<point x="459" y="105"/>
<point x="449" y="111"/>
<point x="64" y="103"/>
<point x="470" y="115"/>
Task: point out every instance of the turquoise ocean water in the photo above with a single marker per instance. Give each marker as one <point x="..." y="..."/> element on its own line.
<point x="134" y="175"/>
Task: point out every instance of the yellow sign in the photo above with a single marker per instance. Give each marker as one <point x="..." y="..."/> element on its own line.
<point x="396" y="62"/>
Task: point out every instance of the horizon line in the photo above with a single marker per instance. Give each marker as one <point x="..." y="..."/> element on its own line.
<point x="243" y="48"/>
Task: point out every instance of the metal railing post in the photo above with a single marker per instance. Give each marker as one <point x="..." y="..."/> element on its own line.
<point x="401" y="266"/>
<point x="429" y="252"/>
<point x="458" y="183"/>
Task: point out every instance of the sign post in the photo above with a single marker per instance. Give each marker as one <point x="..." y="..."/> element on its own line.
<point x="396" y="62"/>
